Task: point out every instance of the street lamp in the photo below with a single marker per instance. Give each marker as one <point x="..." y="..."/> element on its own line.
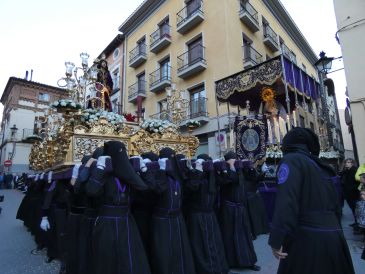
<point x="324" y="64"/>
<point x="13" y="131"/>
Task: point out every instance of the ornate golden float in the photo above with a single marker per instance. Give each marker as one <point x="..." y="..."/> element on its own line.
<point x="75" y="138"/>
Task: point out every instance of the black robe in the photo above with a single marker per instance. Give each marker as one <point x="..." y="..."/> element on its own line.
<point x="255" y="204"/>
<point x="117" y="245"/>
<point x="74" y="226"/>
<point x="56" y="206"/>
<point x="170" y="246"/>
<point x="234" y="221"/>
<point x="87" y="221"/>
<point x="143" y="203"/>
<point x="306" y="220"/>
<point x="204" y="231"/>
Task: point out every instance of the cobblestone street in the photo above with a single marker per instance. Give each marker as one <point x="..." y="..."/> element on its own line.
<point x="16" y="244"/>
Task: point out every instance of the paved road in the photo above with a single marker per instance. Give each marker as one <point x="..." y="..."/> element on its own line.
<point x="16" y="244"/>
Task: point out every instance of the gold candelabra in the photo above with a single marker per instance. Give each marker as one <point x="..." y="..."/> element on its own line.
<point x="176" y="105"/>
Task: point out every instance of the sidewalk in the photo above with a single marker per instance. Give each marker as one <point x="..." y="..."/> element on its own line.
<point x="16" y="244"/>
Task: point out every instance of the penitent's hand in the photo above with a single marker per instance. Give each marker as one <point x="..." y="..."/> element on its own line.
<point x="279" y="254"/>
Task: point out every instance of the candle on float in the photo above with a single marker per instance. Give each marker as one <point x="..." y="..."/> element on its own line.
<point x="269" y="130"/>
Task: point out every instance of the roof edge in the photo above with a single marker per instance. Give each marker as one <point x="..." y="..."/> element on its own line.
<point x="284" y="18"/>
<point x="14" y="80"/>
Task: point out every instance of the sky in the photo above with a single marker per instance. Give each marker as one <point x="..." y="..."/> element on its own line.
<point x="43" y="34"/>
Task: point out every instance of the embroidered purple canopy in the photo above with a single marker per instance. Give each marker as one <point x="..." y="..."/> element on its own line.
<point x="247" y="85"/>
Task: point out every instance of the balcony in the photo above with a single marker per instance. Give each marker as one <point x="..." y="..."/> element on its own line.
<point x="136" y="90"/>
<point x="30" y="135"/>
<point x="137" y="56"/>
<point x="251" y="57"/>
<point x="189" y="17"/>
<point x="163" y="115"/>
<point x="191" y="62"/>
<point x="198" y="110"/>
<point x="160" y="39"/>
<point x="160" y="79"/>
<point x="249" y="16"/>
<point x="270" y="38"/>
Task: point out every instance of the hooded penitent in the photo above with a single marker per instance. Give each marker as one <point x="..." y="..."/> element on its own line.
<point x="122" y="169"/>
<point x="212" y="184"/>
<point x="301" y="137"/>
<point x="150" y="155"/>
<point x="230" y="155"/>
<point x="173" y="170"/>
<point x="99" y="151"/>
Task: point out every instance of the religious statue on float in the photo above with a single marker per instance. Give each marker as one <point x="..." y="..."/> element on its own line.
<point x="98" y="96"/>
<point x="277" y="115"/>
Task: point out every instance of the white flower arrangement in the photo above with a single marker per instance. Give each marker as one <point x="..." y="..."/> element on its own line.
<point x="157" y="126"/>
<point x="66" y="103"/>
<point x="93" y="115"/>
<point x="193" y="123"/>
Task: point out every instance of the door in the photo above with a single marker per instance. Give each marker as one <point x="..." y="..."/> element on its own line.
<point x="165" y="69"/>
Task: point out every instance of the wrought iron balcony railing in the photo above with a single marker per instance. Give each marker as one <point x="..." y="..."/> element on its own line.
<point x="271" y="34"/>
<point x="192" y="56"/>
<point x="198" y="108"/>
<point x="139" y="50"/>
<point x="159" y="34"/>
<point x="27" y="132"/>
<point x="251" y="55"/>
<point x="138" y="88"/>
<point x="160" y="75"/>
<point x="251" y="11"/>
<point x="188" y="11"/>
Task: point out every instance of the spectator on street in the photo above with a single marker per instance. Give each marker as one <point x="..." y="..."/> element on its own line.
<point x="349" y="185"/>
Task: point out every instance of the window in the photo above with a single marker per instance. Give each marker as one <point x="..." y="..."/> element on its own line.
<point x="142" y="46"/>
<point x="115" y="105"/>
<point x="195" y="50"/>
<point x="115" y="78"/>
<point x="141" y="79"/>
<point x="162" y="105"/>
<point x="164" y="28"/>
<point x="197" y="101"/>
<point x="43" y="97"/>
<point x="301" y="121"/>
<point x="192" y="6"/>
<point x="165" y="69"/>
<point x="116" y="53"/>
<point x="246" y="46"/>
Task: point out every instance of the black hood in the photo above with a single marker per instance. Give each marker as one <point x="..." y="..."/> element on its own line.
<point x="99" y="151"/>
<point x="301" y="136"/>
<point x="150" y="155"/>
<point x="173" y="168"/>
<point x="230" y="155"/>
<point x="204" y="156"/>
<point x="85" y="159"/>
<point x="304" y="141"/>
<point x="122" y="168"/>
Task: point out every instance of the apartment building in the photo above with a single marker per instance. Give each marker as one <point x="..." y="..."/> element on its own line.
<point x="193" y="43"/>
<point x="350" y="35"/>
<point x="24" y="101"/>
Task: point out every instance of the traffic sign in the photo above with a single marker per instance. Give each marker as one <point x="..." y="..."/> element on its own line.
<point x="8" y="163"/>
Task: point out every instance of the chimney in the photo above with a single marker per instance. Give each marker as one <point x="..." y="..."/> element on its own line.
<point x="26" y="75"/>
<point x="31" y="75"/>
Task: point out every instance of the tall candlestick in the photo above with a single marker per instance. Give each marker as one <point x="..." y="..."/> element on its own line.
<point x="269" y="130"/>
